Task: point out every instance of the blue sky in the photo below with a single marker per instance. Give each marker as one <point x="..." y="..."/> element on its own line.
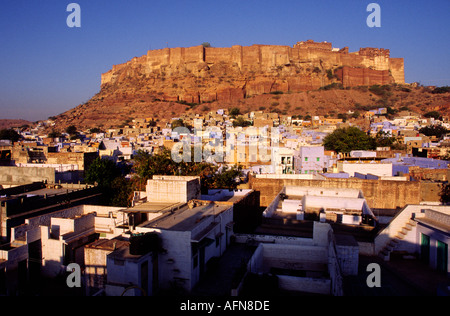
<point x="47" y="68"/>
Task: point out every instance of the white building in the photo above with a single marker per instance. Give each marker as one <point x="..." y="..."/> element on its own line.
<point x="191" y="235"/>
<point x="308" y="265"/>
<point x="192" y="231"/>
<point x="283" y="160"/>
<point x="421" y="231"/>
<point x="311" y="159"/>
<point x="346" y="206"/>
<point x="50" y="242"/>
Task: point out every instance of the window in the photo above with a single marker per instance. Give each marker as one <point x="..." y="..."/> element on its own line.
<point x="306" y="158"/>
<point x="318" y="159"/>
<point x="425" y="248"/>
<point x="441" y="256"/>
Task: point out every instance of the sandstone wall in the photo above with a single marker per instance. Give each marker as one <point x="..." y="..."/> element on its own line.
<point x="397" y="68"/>
<point x="379" y="194"/>
<point x="351" y="77"/>
<point x="19" y="175"/>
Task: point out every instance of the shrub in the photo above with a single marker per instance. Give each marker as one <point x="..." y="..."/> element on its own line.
<point x="235" y="111"/>
<point x="333" y="86"/>
<point x="330" y="74"/>
<point x="439" y="90"/>
<point x="433" y="114"/>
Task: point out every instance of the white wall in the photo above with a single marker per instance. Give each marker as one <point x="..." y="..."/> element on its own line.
<point x="378" y="169"/>
<point x="128" y="272"/>
<point x="308" y="285"/>
<point x="173" y="189"/>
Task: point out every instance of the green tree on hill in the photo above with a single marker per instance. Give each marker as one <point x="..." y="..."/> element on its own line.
<point x="434" y="130"/>
<point x="347" y="139"/>
<point x="9" y="134"/>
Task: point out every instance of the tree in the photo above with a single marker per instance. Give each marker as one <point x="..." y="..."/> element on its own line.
<point x="347" y="139"/>
<point x="122" y="192"/>
<point x="433" y="114"/>
<point x="227" y="178"/>
<point x="95" y="130"/>
<point x="434" y="130"/>
<point x="102" y="172"/>
<point x="235" y="111"/>
<point x="177" y="123"/>
<point x="439" y="90"/>
<point x="116" y="190"/>
<point x="343" y="117"/>
<point x="383" y="139"/>
<point x="9" y="134"/>
<point x="445" y="194"/>
<point x="146" y="165"/>
<point x="240" y="121"/>
<point x="54" y="134"/>
<point x="71" y="130"/>
<point x="356" y="114"/>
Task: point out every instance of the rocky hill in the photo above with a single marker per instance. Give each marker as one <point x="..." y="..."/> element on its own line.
<point x="308" y="78"/>
<point x="11" y="123"/>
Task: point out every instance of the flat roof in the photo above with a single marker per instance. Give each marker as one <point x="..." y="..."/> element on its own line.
<point x="108" y="244"/>
<point x="300" y="191"/>
<point x="433" y="223"/>
<point x="225" y="195"/>
<point x="328" y="202"/>
<point x="185" y="218"/>
<point x="155" y="207"/>
<point x="345" y="240"/>
<point x="50" y="191"/>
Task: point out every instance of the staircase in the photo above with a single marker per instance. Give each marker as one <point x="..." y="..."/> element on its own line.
<point x="394" y="242"/>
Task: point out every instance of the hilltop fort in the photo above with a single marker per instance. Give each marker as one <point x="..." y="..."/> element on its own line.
<point x="207" y="74"/>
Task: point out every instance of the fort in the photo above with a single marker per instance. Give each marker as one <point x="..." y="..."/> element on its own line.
<point x="202" y="74"/>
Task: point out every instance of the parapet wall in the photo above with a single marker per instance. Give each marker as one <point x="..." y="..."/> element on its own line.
<point x="18" y="175"/>
<point x="378" y="193"/>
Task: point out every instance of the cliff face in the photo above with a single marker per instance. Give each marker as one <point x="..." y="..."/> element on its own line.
<point x="204" y="74"/>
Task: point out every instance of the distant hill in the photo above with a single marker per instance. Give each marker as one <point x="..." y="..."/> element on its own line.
<point x="8" y="123"/>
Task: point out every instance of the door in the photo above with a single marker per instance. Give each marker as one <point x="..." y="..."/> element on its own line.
<point x="202" y="260"/>
<point x="442" y="256"/>
<point x="144" y="277"/>
<point x="425" y="248"/>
